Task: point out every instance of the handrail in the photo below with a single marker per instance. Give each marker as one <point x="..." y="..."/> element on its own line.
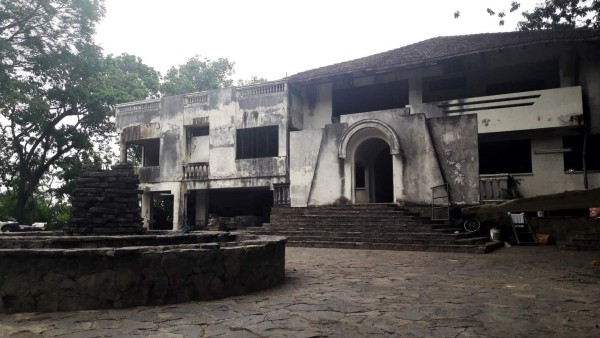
<point x="444" y="194"/>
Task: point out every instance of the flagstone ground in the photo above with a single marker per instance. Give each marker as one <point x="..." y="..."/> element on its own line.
<point x="513" y="292"/>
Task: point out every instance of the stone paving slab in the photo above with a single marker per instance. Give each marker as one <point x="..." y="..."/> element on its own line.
<point x="514" y="292"/>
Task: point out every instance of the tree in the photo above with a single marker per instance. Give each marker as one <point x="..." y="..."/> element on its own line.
<point x="58" y="93"/>
<point x="131" y="79"/>
<point x="553" y="14"/>
<point x="198" y="74"/>
<point x="560" y="14"/>
<point x="253" y="80"/>
<point x="49" y="101"/>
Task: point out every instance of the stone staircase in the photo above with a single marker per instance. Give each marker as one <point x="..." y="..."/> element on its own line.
<point x="588" y="240"/>
<point x="369" y="226"/>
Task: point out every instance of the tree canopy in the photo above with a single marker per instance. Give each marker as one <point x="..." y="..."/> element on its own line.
<point x="198" y="74"/>
<point x="553" y="14"/>
<point x="559" y="14"/>
<point x="58" y="95"/>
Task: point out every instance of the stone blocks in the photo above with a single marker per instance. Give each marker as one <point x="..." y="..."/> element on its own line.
<point x="106" y="202"/>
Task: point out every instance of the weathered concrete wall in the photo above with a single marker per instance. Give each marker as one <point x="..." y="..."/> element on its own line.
<point x="548" y="175"/>
<point x="328" y="180"/>
<point x="318" y="176"/>
<point x="317" y="106"/>
<point x="82" y="279"/>
<point x="303" y="164"/>
<point x="455" y="140"/>
<point x="420" y="167"/>
<point x="223" y="111"/>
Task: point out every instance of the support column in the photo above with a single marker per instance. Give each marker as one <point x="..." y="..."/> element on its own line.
<point x="122" y="149"/>
<point x="179" y="203"/>
<point x="201" y="206"/>
<point x="147" y="208"/>
<point x="398" y="178"/>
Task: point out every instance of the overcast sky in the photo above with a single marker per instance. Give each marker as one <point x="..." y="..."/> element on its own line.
<point x="272" y="38"/>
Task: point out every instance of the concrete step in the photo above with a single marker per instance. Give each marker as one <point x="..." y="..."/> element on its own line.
<point x="483" y="248"/>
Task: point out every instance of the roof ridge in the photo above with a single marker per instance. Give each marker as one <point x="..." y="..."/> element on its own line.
<point x="437" y="48"/>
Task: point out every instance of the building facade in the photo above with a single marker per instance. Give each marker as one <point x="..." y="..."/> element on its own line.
<point x="485" y="117"/>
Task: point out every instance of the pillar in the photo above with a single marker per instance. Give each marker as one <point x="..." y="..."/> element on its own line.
<point x="202" y="206"/>
<point x="179" y="203"/>
<point x="147" y="208"/>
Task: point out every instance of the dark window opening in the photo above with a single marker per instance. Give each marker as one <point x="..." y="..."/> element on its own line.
<point x="516" y="87"/>
<point x="442" y="89"/>
<point x="241" y="202"/>
<point x="162" y="211"/>
<point x="510" y="157"/>
<point x="359" y="177"/>
<point x="522" y="78"/>
<point x="198" y="131"/>
<point x="573" y="160"/>
<point x="257" y="142"/>
<point x="370" y="98"/>
<point x="134" y="153"/>
<point x="151" y="152"/>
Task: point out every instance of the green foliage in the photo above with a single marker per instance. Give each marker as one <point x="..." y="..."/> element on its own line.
<point x="131" y="79"/>
<point x="253" y="80"/>
<point x="553" y="14"/>
<point x="560" y="14"/>
<point x="58" y="94"/>
<point x="197" y="74"/>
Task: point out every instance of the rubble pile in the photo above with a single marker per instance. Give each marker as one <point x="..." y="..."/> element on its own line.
<point x="105" y="202"/>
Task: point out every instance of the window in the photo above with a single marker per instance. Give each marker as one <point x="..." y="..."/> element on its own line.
<point x="573" y="159"/>
<point x="198" y="143"/>
<point x="198" y="131"/>
<point x="442" y="89"/>
<point x="505" y="157"/>
<point x="145" y="153"/>
<point x="370" y="98"/>
<point x="257" y="142"/>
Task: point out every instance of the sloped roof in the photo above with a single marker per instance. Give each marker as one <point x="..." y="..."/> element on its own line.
<point x="445" y="47"/>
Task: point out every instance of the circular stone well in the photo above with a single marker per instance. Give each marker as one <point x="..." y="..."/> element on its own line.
<point x="54" y="272"/>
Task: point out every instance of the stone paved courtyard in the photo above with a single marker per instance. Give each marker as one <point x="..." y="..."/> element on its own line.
<point x="513" y="292"/>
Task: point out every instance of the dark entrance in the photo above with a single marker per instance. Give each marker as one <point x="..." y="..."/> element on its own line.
<point x="373" y="175"/>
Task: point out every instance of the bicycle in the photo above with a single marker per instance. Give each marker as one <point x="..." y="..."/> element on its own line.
<point x="473" y="224"/>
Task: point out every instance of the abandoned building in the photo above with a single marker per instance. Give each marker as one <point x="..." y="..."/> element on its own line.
<point x="485" y="116"/>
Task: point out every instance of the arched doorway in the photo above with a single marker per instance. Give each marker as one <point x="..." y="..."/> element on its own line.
<point x="372" y="162"/>
<point x="373" y="172"/>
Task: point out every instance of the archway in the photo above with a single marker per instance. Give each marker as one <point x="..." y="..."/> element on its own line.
<point x="372" y="162"/>
<point x="373" y="172"/>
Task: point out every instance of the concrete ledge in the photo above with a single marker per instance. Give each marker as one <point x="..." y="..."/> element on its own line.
<point x="46" y="279"/>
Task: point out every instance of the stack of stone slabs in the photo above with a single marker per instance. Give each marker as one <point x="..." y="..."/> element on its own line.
<point x="105" y="202"/>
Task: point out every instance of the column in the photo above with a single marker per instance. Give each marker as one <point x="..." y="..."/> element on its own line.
<point x="201" y="206"/>
<point x="147" y="208"/>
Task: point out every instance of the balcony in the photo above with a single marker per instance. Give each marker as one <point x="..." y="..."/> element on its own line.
<point x="551" y="108"/>
<point x="148" y="174"/>
<point x="195" y="171"/>
<point x="497" y="188"/>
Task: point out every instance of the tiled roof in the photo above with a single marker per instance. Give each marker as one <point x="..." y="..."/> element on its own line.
<point x="445" y="47"/>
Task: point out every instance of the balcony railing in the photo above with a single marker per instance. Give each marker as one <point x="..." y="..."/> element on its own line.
<point x="498" y="188"/>
<point x="262" y="89"/>
<point x="281" y="194"/>
<point x="551" y="108"/>
<point x="195" y="171"/>
<point x="138" y="107"/>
